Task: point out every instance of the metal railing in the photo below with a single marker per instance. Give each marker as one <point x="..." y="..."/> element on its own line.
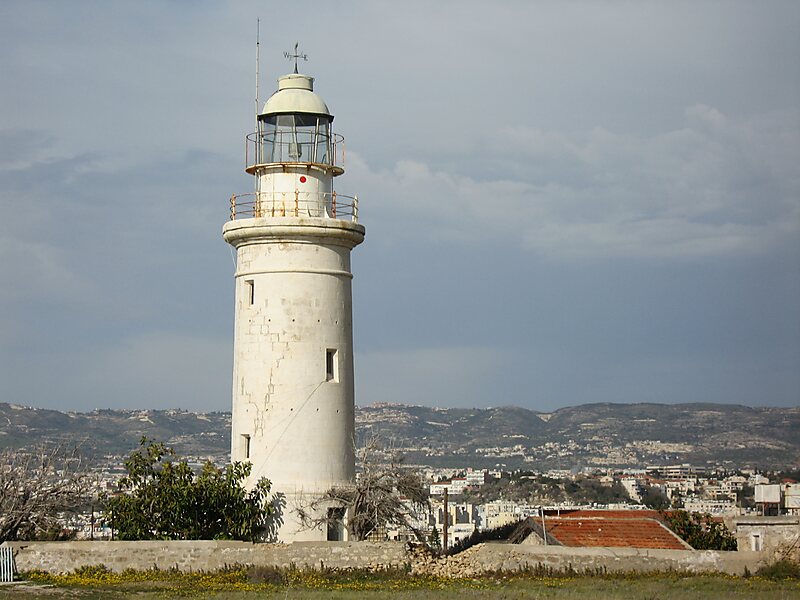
<point x="304" y="147"/>
<point x="326" y="205"/>
<point x="6" y="564"/>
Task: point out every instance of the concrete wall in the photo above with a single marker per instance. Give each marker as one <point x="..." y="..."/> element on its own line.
<point x="59" y="557"/>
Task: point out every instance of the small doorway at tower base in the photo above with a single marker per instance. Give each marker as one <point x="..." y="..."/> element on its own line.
<point x="336" y="524"/>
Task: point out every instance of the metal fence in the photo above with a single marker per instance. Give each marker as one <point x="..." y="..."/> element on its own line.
<point x="6" y="564"/>
<point x="327" y="205"/>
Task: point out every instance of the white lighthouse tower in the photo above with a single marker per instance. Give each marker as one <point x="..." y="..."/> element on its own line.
<point x="293" y="396"/>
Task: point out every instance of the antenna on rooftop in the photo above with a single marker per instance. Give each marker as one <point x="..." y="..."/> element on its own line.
<point x="297" y="54"/>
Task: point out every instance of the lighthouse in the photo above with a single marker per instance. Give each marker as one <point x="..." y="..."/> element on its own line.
<point x="293" y="391"/>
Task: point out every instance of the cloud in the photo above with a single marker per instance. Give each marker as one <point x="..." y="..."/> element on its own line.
<point x="533" y="154"/>
<point x="717" y="188"/>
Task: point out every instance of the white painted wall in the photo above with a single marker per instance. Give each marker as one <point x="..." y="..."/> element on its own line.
<point x="300" y="424"/>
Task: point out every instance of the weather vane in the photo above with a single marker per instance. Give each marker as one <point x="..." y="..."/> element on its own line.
<point x="297" y="54"/>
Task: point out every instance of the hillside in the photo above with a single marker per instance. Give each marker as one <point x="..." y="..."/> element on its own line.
<point x="113" y="432"/>
<point x="621" y="435"/>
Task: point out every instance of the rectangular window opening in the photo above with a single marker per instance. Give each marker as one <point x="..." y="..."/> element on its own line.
<point x="249" y="291"/>
<point x="245" y="446"/>
<point x="331" y="366"/>
<point x="756" y="542"/>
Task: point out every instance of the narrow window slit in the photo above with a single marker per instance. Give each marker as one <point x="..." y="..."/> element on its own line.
<point x="331" y="367"/>
<point x="246" y="445"/>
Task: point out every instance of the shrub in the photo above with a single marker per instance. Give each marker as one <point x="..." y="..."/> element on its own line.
<point x="165" y="499"/>
<point x="701" y="532"/>
<point x="266" y="574"/>
<point x="780" y="569"/>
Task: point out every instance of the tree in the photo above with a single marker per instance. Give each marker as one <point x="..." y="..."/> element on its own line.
<point x="701" y="532"/>
<point x="745" y="497"/>
<point x="164" y="499"/>
<point x="654" y="498"/>
<point x="35" y="488"/>
<point x="385" y="494"/>
<point x="434" y="541"/>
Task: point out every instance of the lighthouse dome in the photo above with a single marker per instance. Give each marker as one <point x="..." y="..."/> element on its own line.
<point x="295" y="95"/>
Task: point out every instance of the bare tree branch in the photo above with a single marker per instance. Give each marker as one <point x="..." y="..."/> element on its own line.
<point x="384" y="495"/>
<point x="35" y="487"/>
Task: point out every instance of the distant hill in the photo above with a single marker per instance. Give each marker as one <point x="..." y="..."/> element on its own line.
<point x="113" y="432"/>
<point x="620" y="435"/>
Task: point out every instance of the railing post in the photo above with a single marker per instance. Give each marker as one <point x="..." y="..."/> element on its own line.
<point x="6" y="565"/>
<point x="333" y="204"/>
<point x="355" y="209"/>
<point x="233" y="207"/>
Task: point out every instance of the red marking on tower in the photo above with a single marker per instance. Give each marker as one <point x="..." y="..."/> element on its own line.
<point x="302" y="178"/>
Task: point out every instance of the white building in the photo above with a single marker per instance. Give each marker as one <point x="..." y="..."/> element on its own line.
<point x="439" y="488"/>
<point x="293" y="398"/>
<point x="633" y="487"/>
<point x="498" y="513"/>
<point x="457" y="485"/>
<point x="711" y="506"/>
<point x="476" y="478"/>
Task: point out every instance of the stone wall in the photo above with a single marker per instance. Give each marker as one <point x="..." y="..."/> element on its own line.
<point x="774" y="536"/>
<point x="512" y="557"/>
<point x="58" y="557"/>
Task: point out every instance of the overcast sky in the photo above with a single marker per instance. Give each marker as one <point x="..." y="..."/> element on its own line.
<point x="565" y="202"/>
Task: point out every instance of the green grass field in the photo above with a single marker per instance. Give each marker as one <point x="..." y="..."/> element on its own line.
<point x="296" y="585"/>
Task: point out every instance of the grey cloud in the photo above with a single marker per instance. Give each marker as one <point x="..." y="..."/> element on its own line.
<point x="710" y="189"/>
<point x="577" y="199"/>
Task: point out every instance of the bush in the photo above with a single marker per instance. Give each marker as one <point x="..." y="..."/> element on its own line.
<point x="781" y="569"/>
<point x="701" y="532"/>
<point x="166" y="500"/>
<point x="266" y="574"/>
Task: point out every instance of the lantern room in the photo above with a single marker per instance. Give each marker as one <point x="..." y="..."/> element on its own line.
<point x="294" y="156"/>
<point x="295" y="126"/>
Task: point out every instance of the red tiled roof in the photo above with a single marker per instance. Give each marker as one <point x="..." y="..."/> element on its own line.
<point x="625" y="532"/>
<point x="612" y="514"/>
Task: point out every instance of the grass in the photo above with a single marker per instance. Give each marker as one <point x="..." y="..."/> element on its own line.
<point x="238" y="582"/>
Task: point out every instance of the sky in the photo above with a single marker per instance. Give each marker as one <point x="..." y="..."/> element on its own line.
<point x="565" y="202"/>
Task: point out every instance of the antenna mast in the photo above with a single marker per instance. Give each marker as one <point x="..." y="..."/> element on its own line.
<point x="258" y="127"/>
<point x="258" y="51"/>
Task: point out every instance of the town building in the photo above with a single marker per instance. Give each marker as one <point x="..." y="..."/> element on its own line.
<point x="771" y="535"/>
